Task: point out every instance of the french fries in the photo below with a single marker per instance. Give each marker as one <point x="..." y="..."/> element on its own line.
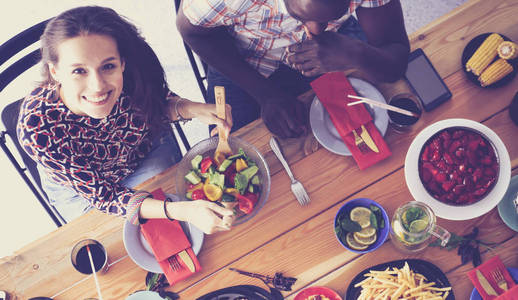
<point x="399" y="284"/>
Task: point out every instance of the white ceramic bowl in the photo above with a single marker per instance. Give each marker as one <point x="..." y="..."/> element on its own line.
<point x="452" y="212"/>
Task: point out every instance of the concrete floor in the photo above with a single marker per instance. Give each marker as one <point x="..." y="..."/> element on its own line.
<point x="20" y="211"/>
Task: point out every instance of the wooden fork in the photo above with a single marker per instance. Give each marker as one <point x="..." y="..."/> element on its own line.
<point x="223" y="148"/>
<point x="499" y="278"/>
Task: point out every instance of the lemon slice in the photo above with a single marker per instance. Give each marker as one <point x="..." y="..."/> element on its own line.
<point x="418" y="225"/>
<point x="212" y="191"/>
<point x="353" y="244"/>
<point x="362" y="215"/>
<point x="364" y="241"/>
<point x="366" y="232"/>
<point x="398" y="230"/>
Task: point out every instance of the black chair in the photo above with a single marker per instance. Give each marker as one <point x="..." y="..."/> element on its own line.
<point x="9" y="52"/>
<point x="196" y="63"/>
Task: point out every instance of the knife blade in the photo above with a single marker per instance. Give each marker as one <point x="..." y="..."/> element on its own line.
<point x="368" y="140"/>
<point x="187" y="260"/>
<point x="485" y="284"/>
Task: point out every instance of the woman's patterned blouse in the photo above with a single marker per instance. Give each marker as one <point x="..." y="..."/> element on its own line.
<point x="90" y="155"/>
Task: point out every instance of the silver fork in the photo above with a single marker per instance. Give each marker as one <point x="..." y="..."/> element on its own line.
<point x="296" y="187"/>
<point x="174" y="263"/>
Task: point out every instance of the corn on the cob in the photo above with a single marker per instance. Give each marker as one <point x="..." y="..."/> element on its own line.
<point x="496" y="71"/>
<point x="484" y="54"/>
<point x="507" y="50"/>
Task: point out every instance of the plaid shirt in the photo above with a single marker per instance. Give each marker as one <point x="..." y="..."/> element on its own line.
<point x="263" y="28"/>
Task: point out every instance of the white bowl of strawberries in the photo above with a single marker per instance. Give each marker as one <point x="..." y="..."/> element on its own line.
<point x="459" y="167"/>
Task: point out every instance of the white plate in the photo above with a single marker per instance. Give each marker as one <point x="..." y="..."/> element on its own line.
<point x="144" y="295"/>
<point x="140" y="252"/>
<point x="444" y="210"/>
<point x="323" y="128"/>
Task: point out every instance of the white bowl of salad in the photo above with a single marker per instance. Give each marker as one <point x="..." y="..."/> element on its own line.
<point x="241" y="181"/>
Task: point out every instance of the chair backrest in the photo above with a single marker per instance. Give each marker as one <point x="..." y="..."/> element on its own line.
<point x="8" y="51"/>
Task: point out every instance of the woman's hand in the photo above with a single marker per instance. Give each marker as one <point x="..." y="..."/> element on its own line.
<point x="207" y="216"/>
<point x="207" y="114"/>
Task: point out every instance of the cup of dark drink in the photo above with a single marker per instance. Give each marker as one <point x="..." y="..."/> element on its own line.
<point x="407" y="101"/>
<point x="81" y="261"/>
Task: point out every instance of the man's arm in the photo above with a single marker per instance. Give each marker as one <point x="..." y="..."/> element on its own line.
<point x="388" y="48"/>
<point x="384" y="57"/>
<point x="217" y="48"/>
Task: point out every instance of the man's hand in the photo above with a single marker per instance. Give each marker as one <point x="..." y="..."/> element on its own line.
<point x="285" y="117"/>
<point x="324" y="53"/>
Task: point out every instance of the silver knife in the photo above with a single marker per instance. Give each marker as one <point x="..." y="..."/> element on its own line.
<point x="485" y="284"/>
<point x="368" y="140"/>
<point x="187" y="260"/>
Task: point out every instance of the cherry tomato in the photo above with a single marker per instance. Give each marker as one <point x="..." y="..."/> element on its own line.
<point x="198" y="195"/>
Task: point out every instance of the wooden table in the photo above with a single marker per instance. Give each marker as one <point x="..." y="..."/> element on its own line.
<point x="285" y="237"/>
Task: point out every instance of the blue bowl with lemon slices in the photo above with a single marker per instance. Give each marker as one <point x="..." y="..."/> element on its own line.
<point x="361" y="225"/>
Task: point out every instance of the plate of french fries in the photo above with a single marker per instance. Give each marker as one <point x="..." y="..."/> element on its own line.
<point x="490" y="60"/>
<point x="411" y="279"/>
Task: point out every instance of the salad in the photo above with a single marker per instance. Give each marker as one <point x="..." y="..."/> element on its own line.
<point x="233" y="183"/>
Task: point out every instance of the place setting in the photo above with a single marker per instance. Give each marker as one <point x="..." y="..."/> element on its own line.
<point x="349" y="130"/>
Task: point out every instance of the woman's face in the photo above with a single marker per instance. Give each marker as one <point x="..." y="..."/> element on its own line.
<point x="89" y="70"/>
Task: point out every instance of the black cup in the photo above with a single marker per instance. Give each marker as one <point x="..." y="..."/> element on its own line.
<point x="407" y="101"/>
<point x="81" y="261"/>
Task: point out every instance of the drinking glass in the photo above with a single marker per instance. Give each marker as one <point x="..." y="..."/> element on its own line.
<point x="81" y="261"/>
<point x="413" y="226"/>
<point x="408" y="101"/>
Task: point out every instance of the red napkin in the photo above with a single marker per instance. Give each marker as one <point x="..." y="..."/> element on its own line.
<point x="166" y="238"/>
<point x="332" y="90"/>
<point x="486" y="268"/>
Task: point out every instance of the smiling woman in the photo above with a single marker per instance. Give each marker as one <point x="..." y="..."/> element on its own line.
<point x="99" y="124"/>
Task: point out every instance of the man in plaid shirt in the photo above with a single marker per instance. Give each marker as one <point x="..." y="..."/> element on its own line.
<point x="265" y="52"/>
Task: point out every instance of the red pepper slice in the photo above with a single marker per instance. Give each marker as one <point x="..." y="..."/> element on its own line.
<point x="252" y="197"/>
<point x="246" y="202"/>
<point x="198" y="195"/>
<point x="205" y="164"/>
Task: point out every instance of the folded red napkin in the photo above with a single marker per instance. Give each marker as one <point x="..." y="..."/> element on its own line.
<point x="486" y="269"/>
<point x="332" y="90"/>
<point x="166" y="238"/>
